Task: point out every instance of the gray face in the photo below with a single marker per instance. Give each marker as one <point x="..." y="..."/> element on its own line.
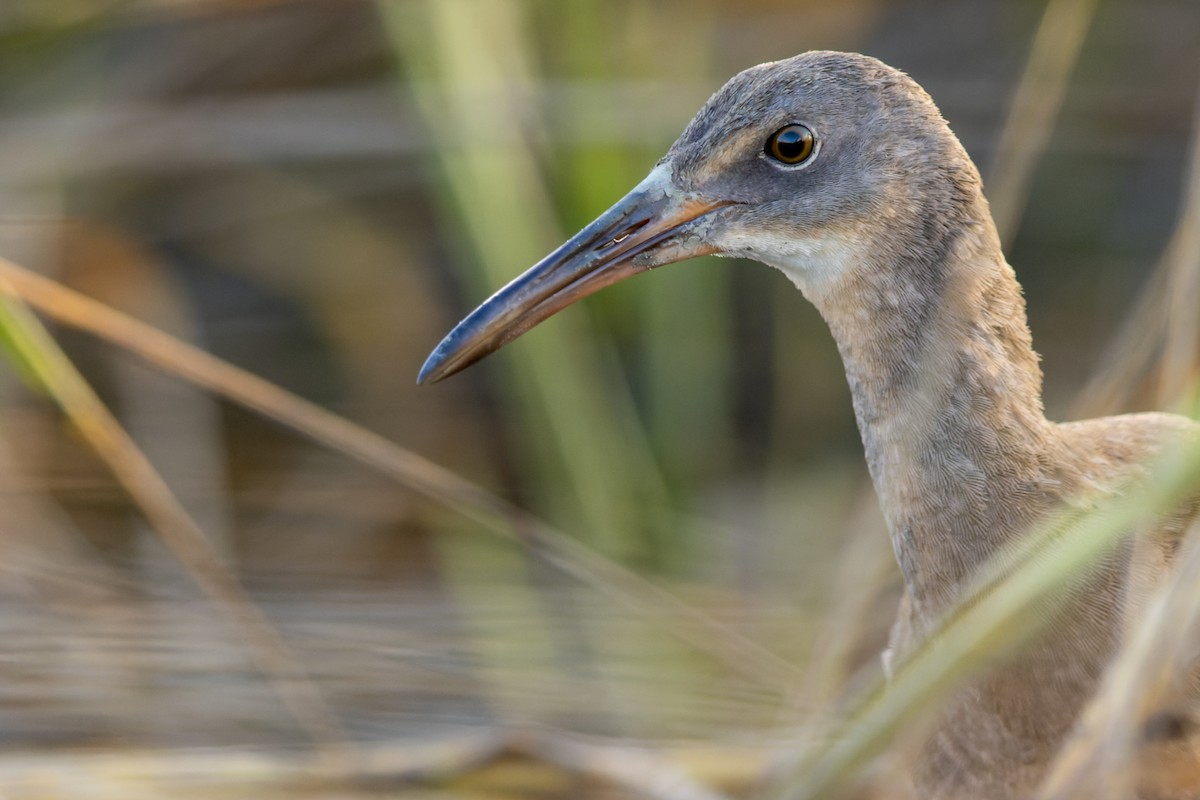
<point x="883" y="154"/>
<point x="885" y="176"/>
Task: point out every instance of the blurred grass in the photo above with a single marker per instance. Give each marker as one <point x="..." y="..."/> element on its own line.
<point x="36" y="350"/>
<point x="410" y="470"/>
<point x="1156" y="345"/>
<point x="473" y="59"/>
<point x="1036" y="104"/>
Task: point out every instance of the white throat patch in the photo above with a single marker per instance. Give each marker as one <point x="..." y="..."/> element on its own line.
<point x="813" y="264"/>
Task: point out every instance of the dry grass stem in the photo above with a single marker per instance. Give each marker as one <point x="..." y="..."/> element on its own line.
<point x="1149" y="336"/>
<point x="634" y="768"/>
<point x="180" y="359"/>
<point x="1148" y="677"/>
<point x="1039" y="97"/>
<point x="182" y="536"/>
<point x="999" y="618"/>
<point x="1182" y="265"/>
<point x="213" y="772"/>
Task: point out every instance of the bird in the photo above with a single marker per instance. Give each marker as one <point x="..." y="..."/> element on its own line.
<point x="841" y="172"/>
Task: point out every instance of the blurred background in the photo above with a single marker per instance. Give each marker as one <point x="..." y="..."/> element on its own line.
<point x="315" y="192"/>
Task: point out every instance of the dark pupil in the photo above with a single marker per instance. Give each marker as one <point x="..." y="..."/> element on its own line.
<point x="791" y="144"/>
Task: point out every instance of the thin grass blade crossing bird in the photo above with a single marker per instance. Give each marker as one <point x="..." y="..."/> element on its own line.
<point x="840" y="171"/>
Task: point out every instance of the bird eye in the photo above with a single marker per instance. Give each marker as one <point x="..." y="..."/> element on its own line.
<point x="791" y="144"/>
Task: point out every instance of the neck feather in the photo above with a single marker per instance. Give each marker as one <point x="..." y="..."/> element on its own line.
<point x="947" y="392"/>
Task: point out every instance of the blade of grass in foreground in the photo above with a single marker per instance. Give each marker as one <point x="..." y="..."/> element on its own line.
<point x="1002" y="618"/>
<point x="582" y="439"/>
<point x="54" y="372"/>
<point x="740" y="654"/>
<point x="1148" y="677"/>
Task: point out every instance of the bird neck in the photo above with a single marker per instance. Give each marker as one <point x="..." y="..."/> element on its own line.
<point x="947" y="392"/>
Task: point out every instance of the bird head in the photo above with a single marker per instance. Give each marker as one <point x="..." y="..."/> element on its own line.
<point x="808" y="164"/>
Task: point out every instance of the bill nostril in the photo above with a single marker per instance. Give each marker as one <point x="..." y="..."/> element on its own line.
<point x="625" y="234"/>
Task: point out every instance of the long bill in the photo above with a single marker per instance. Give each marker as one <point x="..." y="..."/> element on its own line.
<point x="640" y="231"/>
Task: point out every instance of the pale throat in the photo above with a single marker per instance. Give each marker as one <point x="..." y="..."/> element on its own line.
<point x="947" y="394"/>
